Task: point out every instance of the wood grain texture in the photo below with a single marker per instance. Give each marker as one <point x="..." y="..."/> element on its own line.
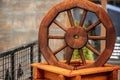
<point x="108" y="72"/>
<point x="76" y="36"/>
<point x="83" y="18"/>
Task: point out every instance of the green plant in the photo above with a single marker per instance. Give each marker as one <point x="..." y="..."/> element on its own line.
<point x="88" y="54"/>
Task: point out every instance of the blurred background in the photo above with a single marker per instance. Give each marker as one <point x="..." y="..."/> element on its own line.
<point x="20" y="21"/>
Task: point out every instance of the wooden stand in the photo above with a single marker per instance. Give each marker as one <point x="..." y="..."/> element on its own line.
<point x="43" y="71"/>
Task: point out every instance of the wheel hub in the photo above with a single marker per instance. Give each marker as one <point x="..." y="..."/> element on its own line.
<point x="76" y="37"/>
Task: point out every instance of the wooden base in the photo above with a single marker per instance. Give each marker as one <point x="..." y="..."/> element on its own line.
<point x="43" y="71"/>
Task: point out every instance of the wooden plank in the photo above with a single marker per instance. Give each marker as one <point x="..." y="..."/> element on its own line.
<point x="45" y="71"/>
<point x="61" y="77"/>
<point x="53" y="69"/>
<point x="103" y="31"/>
<point x="113" y="75"/>
<point x="37" y="73"/>
<point x="98" y="76"/>
<point x="78" y="77"/>
<point x="51" y="75"/>
<point x="69" y="73"/>
<point x="94" y="70"/>
<point x="70" y="39"/>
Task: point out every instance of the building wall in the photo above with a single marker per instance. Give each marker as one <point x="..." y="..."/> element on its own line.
<point x="20" y="20"/>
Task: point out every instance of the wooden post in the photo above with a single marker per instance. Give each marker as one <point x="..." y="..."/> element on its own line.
<point x="61" y="77"/>
<point x="103" y="32"/>
<point x="37" y="73"/>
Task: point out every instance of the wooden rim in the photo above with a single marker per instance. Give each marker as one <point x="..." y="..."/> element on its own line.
<point x="67" y="5"/>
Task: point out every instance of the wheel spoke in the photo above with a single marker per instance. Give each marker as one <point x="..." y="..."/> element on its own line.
<point x="55" y="37"/>
<point x="97" y="37"/>
<point x="83" y="17"/>
<point x="82" y="57"/>
<point x="93" y="25"/>
<point x="60" y="25"/>
<point x="69" y="56"/>
<point x="70" y="17"/>
<point x="59" y="49"/>
<point x="92" y="49"/>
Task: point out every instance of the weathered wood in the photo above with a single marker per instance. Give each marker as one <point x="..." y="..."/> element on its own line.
<point x="97" y="37"/>
<point x="70" y="17"/>
<point x="77" y="77"/>
<point x="107" y="72"/>
<point x="83" y="18"/>
<point x="82" y="57"/>
<point x="61" y="77"/>
<point x="103" y="30"/>
<point x="70" y="52"/>
<point x="76" y="36"/>
<point x="55" y="37"/>
<point x="92" y="26"/>
<point x="113" y="75"/>
<point x="60" y="25"/>
<point x="38" y="73"/>
<point x="92" y="49"/>
<point x="59" y="49"/>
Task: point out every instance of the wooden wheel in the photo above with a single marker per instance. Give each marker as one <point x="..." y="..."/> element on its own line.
<point x="76" y="37"/>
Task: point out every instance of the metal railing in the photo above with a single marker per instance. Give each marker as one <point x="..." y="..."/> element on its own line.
<point x="15" y="63"/>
